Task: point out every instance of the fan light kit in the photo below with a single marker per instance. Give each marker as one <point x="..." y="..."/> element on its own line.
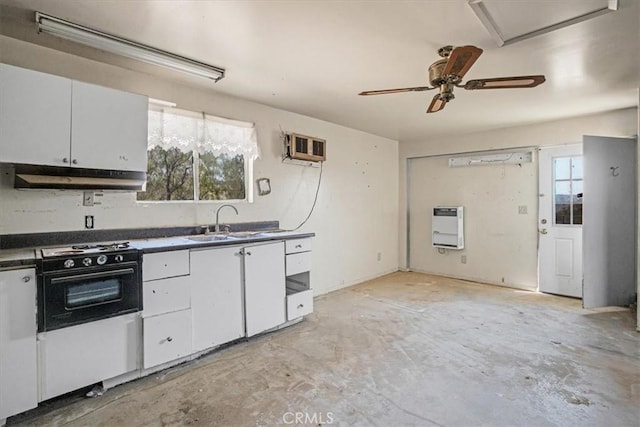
<point x="446" y="74"/>
<point x="130" y="49"/>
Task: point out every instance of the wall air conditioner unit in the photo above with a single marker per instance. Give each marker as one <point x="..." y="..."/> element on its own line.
<point x="301" y="147"/>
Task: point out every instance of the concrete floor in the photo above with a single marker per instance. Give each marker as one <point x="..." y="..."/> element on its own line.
<point x="406" y="349"/>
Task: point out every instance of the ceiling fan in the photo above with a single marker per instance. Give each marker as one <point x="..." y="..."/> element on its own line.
<point x="447" y="73"/>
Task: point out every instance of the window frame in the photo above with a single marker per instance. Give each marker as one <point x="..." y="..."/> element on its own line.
<point x="570" y="180"/>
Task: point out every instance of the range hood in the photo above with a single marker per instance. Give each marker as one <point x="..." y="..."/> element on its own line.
<point x="53" y="177"/>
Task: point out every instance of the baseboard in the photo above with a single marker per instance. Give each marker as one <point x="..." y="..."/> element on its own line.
<point x="478" y="280"/>
<point x="354" y="282"/>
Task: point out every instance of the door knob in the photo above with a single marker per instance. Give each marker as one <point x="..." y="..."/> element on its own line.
<point x="543" y="231"/>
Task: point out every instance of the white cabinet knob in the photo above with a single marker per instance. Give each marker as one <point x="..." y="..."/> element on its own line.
<point x="65" y="160"/>
<point x="169" y="339"/>
<point x="26" y="279"/>
<point x="249" y="253"/>
<point x="74" y="161"/>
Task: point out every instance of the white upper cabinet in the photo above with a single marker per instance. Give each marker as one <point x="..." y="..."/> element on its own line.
<point x="53" y="121"/>
<point x="108" y="128"/>
<point x="35" y="112"/>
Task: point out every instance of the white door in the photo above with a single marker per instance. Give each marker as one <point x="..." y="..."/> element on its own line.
<point x="610" y="221"/>
<point x="264" y="284"/>
<point x="560" y="220"/>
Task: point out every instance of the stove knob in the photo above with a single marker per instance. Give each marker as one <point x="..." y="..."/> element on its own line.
<point x="118" y="258"/>
<point x="86" y="262"/>
<point x="69" y="263"/>
<point x="102" y="259"/>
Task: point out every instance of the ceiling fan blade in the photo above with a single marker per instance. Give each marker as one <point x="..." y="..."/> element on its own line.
<point x="461" y="59"/>
<point x="437" y="104"/>
<point x="505" y="82"/>
<point x="406" y="89"/>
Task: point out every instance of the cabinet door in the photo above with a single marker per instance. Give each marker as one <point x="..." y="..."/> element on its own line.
<point x="108" y="128"/>
<point x="216" y="296"/>
<point x="18" y="361"/>
<point x="82" y="355"/>
<point x="264" y="283"/>
<point x="35" y="117"/>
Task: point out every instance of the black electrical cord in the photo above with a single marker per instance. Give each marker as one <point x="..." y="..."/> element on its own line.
<point x="315" y="200"/>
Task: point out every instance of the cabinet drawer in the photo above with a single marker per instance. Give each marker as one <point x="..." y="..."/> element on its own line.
<point x="166" y="295"/>
<point x="165" y="264"/>
<point x="298" y="263"/>
<point x="297" y="245"/>
<point x="166" y="337"/>
<point x="299" y="304"/>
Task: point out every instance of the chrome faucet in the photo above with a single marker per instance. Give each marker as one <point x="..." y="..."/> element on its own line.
<point x="218" y="215"/>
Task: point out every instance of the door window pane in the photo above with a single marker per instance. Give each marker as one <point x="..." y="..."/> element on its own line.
<point x="562" y="168"/>
<point x="576" y="168"/>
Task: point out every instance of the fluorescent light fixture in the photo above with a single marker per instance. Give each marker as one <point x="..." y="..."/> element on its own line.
<point x="130" y="49"/>
<point x="516" y="158"/>
<point x="162" y="103"/>
<point x="480" y="9"/>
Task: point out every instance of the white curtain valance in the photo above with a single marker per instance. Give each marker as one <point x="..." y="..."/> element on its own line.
<point x="190" y="131"/>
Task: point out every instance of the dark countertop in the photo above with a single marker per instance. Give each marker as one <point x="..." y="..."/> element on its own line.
<point x="17" y="258"/>
<point x="26" y="257"/>
<point x="187" y="242"/>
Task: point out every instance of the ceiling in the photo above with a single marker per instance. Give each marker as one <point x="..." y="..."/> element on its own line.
<point x="313" y="57"/>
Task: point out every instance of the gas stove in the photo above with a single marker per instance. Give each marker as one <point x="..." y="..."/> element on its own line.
<point x="92" y="248"/>
<point x="87" y="255"/>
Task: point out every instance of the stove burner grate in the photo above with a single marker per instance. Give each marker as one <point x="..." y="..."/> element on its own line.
<point x="102" y="246"/>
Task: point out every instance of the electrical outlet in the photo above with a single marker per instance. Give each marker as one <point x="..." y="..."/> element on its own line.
<point x="463" y="259"/>
<point x="88" y="221"/>
<point x="522" y="210"/>
<point x="379" y="256"/>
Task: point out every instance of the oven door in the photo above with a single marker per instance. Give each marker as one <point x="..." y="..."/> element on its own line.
<point x="71" y="298"/>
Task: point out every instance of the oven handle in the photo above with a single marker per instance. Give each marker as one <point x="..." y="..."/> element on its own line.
<point x="109" y="273"/>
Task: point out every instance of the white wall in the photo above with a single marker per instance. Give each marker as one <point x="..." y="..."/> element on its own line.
<point x="511" y="230"/>
<point x="500" y="244"/>
<point x="355" y="218"/>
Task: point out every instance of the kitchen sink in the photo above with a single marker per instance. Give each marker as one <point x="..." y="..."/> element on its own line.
<point x="208" y="237"/>
<point x="244" y="234"/>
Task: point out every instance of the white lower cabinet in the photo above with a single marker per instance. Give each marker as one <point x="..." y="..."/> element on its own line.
<point x="264" y="285"/>
<point x="18" y="357"/>
<point x="78" y="356"/>
<point x="166" y="337"/>
<point x="216" y="296"/>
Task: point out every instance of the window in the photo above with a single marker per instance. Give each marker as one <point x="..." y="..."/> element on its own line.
<point x="195" y="156"/>
<point x="567" y="189"/>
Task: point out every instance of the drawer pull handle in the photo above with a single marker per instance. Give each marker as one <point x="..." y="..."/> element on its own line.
<point x="300" y="305"/>
<point x="26" y="279"/>
<point x="169" y="339"/>
<point x="249" y="253"/>
<point x="298" y="246"/>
